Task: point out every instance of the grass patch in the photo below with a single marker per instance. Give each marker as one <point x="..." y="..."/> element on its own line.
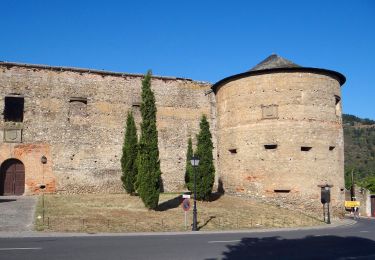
<point x="123" y="213"/>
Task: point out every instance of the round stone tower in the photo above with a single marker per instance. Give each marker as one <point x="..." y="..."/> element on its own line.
<point x="280" y="134"/>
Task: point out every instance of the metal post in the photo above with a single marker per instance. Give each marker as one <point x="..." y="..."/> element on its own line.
<point x="324" y="213"/>
<point x="43" y="206"/>
<point x="195" y="202"/>
<point x="328" y="215"/>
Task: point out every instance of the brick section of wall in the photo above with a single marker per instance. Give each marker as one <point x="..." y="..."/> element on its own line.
<point x="36" y="173"/>
<point x="301" y="112"/>
<point x="80" y="116"/>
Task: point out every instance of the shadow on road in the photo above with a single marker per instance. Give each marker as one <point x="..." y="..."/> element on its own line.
<point x="311" y="247"/>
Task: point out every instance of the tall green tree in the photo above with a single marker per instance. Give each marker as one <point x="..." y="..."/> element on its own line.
<point x="206" y="169"/>
<point x="149" y="174"/>
<point x="129" y="156"/>
<point x="189" y="177"/>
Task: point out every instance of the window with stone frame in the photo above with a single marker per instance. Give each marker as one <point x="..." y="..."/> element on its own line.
<point x="270" y="111"/>
<point x="77" y="107"/>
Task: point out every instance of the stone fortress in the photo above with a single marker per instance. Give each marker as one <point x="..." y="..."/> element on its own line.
<point x="277" y="129"/>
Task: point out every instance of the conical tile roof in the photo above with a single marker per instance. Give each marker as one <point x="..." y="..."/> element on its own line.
<point x="274" y="61"/>
<point x="277" y="64"/>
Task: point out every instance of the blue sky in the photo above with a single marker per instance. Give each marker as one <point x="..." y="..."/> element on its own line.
<point x="202" y="40"/>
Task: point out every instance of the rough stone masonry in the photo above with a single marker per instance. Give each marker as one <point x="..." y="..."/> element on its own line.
<point x="276" y="129"/>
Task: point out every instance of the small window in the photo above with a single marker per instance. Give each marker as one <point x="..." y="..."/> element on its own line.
<point x="13" y="109"/>
<point x="269" y="112"/>
<point x="331" y="148"/>
<point x="281" y="191"/>
<point x="270" y="146"/>
<point x="306" y="148"/>
<point x="233" y="151"/>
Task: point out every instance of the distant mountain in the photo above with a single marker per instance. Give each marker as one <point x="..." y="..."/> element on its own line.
<point x="359" y="138"/>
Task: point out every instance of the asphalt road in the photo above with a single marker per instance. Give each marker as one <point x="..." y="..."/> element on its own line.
<point x="345" y="242"/>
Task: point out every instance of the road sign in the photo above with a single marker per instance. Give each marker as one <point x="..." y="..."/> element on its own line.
<point x="185" y="196"/>
<point x="186" y="204"/>
<point x="352" y="204"/>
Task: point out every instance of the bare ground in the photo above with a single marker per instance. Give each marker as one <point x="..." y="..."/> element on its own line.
<point x="124" y="213"/>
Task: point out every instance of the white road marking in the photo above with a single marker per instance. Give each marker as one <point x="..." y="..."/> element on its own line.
<point x="227" y="241"/>
<point x="364" y="231"/>
<point x="20" y="248"/>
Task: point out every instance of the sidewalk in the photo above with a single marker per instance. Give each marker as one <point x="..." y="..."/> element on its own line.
<point x="17" y="213"/>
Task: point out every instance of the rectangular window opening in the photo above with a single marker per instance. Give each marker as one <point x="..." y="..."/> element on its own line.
<point x="306" y="148"/>
<point x="13" y="109"/>
<point x="233" y="151"/>
<point x="270" y="146"/>
<point x="281" y="191"/>
<point x="331" y="148"/>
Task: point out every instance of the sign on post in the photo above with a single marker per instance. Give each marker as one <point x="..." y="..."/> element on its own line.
<point x="186" y="207"/>
<point x="186" y="204"/>
<point x="352" y="204"/>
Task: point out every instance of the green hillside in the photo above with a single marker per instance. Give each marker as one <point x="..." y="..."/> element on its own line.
<point x="359" y="137"/>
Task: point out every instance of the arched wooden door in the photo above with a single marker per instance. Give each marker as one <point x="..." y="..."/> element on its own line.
<point x="12" y="177"/>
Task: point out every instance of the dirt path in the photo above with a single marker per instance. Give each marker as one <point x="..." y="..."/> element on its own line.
<point x="17" y="213"/>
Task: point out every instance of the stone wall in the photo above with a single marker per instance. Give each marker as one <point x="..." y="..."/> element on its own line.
<point x="280" y="136"/>
<point x="78" y="117"/>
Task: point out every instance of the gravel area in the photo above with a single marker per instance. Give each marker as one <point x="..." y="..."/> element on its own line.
<point x="17" y="213"/>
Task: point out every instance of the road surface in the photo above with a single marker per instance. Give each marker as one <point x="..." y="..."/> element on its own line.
<point x="355" y="241"/>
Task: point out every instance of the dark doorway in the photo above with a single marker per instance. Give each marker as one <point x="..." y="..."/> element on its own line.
<point x="12" y="181"/>
<point x="373" y="205"/>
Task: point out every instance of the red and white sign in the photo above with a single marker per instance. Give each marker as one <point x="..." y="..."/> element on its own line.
<point x="186" y="204"/>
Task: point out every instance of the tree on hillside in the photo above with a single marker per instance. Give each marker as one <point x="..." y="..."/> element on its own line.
<point x="205" y="170"/>
<point x="189" y="177"/>
<point x="129" y="156"/>
<point x="369" y="183"/>
<point x="149" y="174"/>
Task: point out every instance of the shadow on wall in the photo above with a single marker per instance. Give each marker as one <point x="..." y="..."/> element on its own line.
<point x="324" y="247"/>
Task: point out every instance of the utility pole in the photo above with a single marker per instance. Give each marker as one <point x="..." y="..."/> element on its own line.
<point x="352" y="191"/>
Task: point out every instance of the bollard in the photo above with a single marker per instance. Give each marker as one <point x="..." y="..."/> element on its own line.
<point x="48" y="222"/>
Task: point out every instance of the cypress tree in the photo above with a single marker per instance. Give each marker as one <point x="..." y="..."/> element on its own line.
<point x="149" y="174"/>
<point x="189" y="177"/>
<point x="129" y="156"/>
<point x="205" y="170"/>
